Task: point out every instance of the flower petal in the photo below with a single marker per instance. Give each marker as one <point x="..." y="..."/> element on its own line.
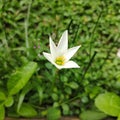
<point x="48" y="57"/>
<point x="71" y="64"/>
<point x="63" y="43"/>
<point x="58" y="66"/>
<point x="71" y="52"/>
<point x="52" y="48"/>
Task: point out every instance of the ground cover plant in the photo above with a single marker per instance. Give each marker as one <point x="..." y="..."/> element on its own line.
<point x="30" y="86"/>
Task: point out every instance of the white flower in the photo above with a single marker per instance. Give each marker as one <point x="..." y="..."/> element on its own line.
<point x="118" y="53"/>
<point x="60" y="55"/>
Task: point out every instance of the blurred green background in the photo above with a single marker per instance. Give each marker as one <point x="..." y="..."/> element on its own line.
<point x="25" y="27"/>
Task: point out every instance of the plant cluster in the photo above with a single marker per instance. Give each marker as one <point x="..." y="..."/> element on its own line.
<point x="30" y="86"/>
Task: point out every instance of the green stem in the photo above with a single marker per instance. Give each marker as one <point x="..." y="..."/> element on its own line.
<point x="70" y="100"/>
<point x="89" y="64"/>
<point x="26" y="28"/>
<point x="92" y="35"/>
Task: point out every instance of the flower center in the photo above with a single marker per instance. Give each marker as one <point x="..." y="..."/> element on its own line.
<point x="60" y="60"/>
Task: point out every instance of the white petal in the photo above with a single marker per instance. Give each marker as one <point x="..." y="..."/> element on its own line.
<point x="71" y="52"/>
<point x="58" y="66"/>
<point x="63" y="43"/>
<point x="71" y="64"/>
<point x="48" y="57"/>
<point x="52" y="48"/>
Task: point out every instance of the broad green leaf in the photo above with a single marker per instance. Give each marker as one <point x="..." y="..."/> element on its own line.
<point x="9" y="101"/>
<point x="53" y="114"/>
<point x="92" y="115"/>
<point x="26" y="110"/>
<point x="19" y="79"/>
<point x="2" y="112"/>
<point x="109" y="103"/>
<point x="2" y="96"/>
<point x="118" y="117"/>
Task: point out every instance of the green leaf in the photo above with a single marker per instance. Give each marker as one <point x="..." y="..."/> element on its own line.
<point x="92" y="115"/>
<point x="53" y="114"/>
<point x="26" y="110"/>
<point x="40" y="91"/>
<point x="25" y="90"/>
<point x="65" y="108"/>
<point x="2" y="96"/>
<point x="2" y="112"/>
<point x="9" y="101"/>
<point x="109" y="103"/>
<point x="54" y="96"/>
<point x="68" y="90"/>
<point x="73" y="85"/>
<point x="118" y="117"/>
<point x="20" y="101"/>
<point x="19" y="79"/>
<point x="56" y="104"/>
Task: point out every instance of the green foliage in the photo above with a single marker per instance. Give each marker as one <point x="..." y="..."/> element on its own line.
<point x="2" y="112"/>
<point x="92" y="115"/>
<point x="9" y="101"/>
<point x="53" y="114"/>
<point x="118" y="117"/>
<point x="25" y="90"/>
<point x="65" y="108"/>
<point x="2" y="96"/>
<point x="26" y="110"/>
<point x="19" y="79"/>
<point x="73" y="85"/>
<point x="24" y="35"/>
<point x="108" y="103"/>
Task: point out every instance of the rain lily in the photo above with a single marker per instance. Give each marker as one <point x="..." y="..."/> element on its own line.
<point x="60" y="55"/>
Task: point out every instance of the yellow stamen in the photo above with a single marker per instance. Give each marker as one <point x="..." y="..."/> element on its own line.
<point x="60" y="60"/>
